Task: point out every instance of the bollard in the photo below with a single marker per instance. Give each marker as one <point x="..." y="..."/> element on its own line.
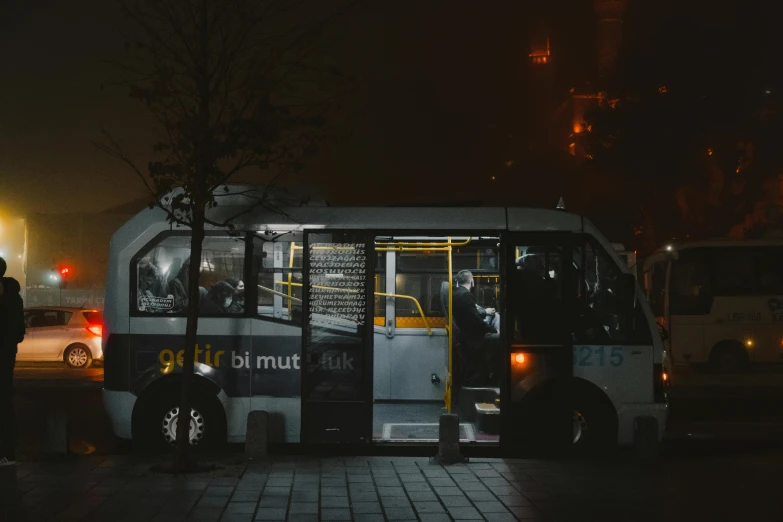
<point x="257" y="435"/>
<point x="448" y="441"/>
<point x="57" y="433"/>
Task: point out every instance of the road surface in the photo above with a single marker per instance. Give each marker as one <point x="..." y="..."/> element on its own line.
<point x="704" y="410"/>
<point x="29" y="374"/>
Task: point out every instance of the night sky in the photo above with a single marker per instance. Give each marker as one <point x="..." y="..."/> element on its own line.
<point x="437" y="89"/>
<point x="440" y="88"/>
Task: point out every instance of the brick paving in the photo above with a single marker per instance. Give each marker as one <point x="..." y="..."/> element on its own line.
<point x="122" y="488"/>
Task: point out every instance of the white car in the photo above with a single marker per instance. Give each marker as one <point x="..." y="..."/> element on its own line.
<point x="55" y="333"/>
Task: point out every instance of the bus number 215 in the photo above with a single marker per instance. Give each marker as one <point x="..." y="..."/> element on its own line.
<point x="598" y="356"/>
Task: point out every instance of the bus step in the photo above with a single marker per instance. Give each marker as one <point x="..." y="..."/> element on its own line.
<point x="469" y="396"/>
<point x="487" y="418"/>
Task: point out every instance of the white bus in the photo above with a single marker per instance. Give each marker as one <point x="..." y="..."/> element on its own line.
<point x="336" y="321"/>
<point x="721" y="301"/>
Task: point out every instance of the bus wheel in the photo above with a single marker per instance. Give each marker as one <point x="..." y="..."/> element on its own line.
<point x="729" y="357"/>
<point x="206" y="425"/>
<point x="594" y="426"/>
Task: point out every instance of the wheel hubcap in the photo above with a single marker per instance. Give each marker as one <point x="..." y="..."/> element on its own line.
<point x="77" y="357"/>
<point x="580" y="426"/>
<point x="195" y="432"/>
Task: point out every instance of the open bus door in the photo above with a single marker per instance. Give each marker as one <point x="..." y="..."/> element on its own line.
<point x="539" y="273"/>
<point x="337" y="337"/>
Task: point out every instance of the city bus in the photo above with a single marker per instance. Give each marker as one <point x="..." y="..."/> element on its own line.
<point x="340" y="324"/>
<point x="720" y="301"/>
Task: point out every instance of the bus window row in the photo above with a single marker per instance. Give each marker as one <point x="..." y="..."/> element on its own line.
<point x="701" y="274"/>
<point x="161" y="272"/>
<point x="162" y="282"/>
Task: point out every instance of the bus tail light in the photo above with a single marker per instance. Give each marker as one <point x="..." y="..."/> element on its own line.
<point x="520" y="362"/>
<point x="521" y="366"/>
<point x="660" y="383"/>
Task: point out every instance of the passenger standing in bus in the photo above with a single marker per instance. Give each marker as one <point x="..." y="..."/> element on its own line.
<point x="12" y="330"/>
<point x="178" y="287"/>
<point x="480" y="339"/>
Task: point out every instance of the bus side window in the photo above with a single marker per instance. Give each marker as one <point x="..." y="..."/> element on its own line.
<point x="537" y="285"/>
<point x="770" y="271"/>
<point x="279" y="269"/>
<point x="690" y="287"/>
<point x="600" y="319"/>
<point x="735" y="273"/>
<point x="162" y="276"/>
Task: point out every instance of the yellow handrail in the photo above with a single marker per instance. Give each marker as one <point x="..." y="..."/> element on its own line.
<point x="449" y="379"/>
<point x="290" y="278"/>
<point x="433" y="243"/>
<point x="418" y="306"/>
<point x="412" y="249"/>
<point x="348" y="290"/>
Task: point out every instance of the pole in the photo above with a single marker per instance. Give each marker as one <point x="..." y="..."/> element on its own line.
<point x="450" y="382"/>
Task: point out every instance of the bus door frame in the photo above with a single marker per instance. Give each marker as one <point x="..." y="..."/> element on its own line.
<point x="326" y="421"/>
<point x="555" y="354"/>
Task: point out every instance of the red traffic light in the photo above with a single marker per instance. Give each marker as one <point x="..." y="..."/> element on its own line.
<point x="65" y="271"/>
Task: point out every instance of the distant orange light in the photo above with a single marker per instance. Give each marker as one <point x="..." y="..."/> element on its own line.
<point x="665" y="376"/>
<point x="519" y="358"/>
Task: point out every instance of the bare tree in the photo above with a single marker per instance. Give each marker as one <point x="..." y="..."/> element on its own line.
<point x="236" y="87"/>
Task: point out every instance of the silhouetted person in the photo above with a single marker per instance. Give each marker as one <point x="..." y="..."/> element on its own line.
<point x="479" y="338"/>
<point x="178" y="287"/>
<point x="150" y="282"/>
<point x="12" y="330"/>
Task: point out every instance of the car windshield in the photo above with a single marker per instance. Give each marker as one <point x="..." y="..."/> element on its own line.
<point x="93" y="316"/>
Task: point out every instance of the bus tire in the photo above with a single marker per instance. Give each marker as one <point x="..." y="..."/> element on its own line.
<point x="594" y="424"/>
<point x="729" y="357"/>
<point x="208" y="424"/>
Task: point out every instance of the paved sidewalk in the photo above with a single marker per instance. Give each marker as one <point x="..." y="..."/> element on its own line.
<point x="122" y="488"/>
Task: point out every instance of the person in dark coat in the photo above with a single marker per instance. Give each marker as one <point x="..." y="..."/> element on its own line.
<point x="12" y="330"/>
<point x="480" y="339"/>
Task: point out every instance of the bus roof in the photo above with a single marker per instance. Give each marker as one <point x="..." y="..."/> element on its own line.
<point x="287" y="212"/>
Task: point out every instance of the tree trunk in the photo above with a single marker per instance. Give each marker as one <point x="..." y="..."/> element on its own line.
<point x="182" y="460"/>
